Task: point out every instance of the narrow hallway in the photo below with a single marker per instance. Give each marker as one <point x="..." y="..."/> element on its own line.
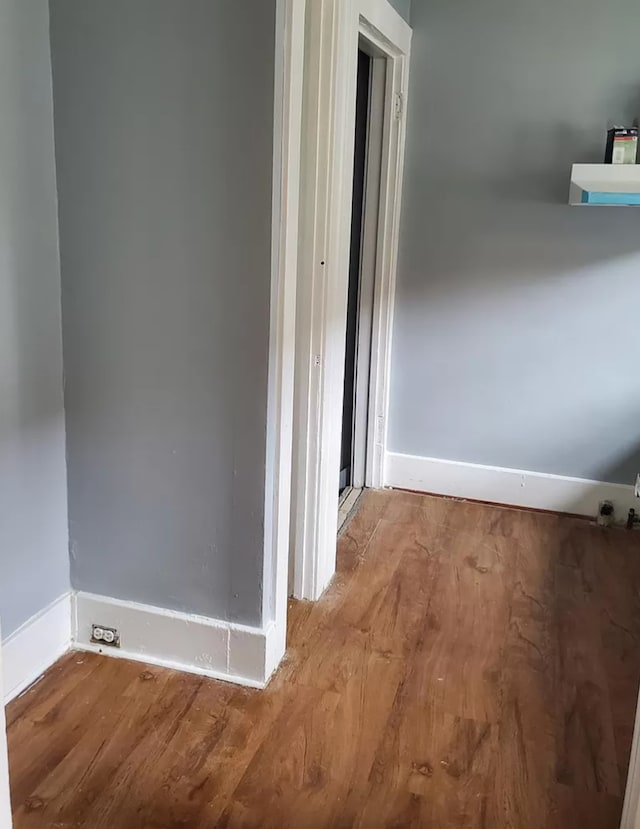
<point x="470" y="666"/>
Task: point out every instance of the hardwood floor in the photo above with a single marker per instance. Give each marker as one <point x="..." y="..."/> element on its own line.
<point x="470" y="666"/>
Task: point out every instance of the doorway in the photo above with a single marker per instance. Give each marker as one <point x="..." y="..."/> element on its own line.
<point x="355" y="309"/>
<point x="356" y="76"/>
<point x="356" y="400"/>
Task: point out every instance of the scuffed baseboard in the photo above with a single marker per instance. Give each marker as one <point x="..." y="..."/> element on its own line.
<point x="182" y="641"/>
<point x="512" y="487"/>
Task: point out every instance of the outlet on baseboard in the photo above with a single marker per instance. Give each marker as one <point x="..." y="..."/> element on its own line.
<point x="101" y="635"/>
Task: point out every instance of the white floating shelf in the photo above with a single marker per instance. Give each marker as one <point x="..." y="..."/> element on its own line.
<point x="612" y="185"/>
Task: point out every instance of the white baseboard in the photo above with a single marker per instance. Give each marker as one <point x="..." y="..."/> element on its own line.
<point x="36" y="645"/>
<point x="513" y="487"/>
<point x="182" y="641"/>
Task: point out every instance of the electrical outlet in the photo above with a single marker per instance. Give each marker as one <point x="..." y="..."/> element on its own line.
<point x="101" y="635"/>
<point x="638" y="485"/>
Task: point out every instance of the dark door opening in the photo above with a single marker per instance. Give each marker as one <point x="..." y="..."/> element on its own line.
<point x="355" y="270"/>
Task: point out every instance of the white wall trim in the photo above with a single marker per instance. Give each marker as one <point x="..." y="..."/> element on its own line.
<point x="381" y="16"/>
<point x="289" y="57"/>
<point x="331" y="50"/>
<point x="391" y="36"/>
<point x="181" y="641"/>
<point x="514" y="487"/>
<point x="308" y="545"/>
<point x="35" y="646"/>
<point x="5" y="793"/>
<point x="631" y="808"/>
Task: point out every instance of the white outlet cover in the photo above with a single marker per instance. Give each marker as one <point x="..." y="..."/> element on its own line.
<point x="638" y="485"/>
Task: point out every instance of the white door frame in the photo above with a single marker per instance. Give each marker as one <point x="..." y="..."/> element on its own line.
<point x="289" y="57"/>
<point x="333" y="30"/>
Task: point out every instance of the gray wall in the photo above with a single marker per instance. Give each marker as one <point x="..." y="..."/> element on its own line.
<point x="164" y="150"/>
<point x="34" y="563"/>
<point x="516" y="328"/>
<point x="402" y="6"/>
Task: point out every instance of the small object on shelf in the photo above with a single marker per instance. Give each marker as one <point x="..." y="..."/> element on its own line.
<point x="622" y="145"/>
<point x="606" y="513"/>
<point x="605" y="185"/>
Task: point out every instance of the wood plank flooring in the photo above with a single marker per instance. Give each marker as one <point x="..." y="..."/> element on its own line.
<point x="469" y="667"/>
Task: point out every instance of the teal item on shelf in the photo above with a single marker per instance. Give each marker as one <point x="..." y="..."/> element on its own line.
<point x="598" y="197"/>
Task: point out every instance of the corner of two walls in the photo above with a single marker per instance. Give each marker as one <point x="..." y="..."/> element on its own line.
<point x="164" y="153"/>
<point x="34" y="560"/>
<point x="514" y="368"/>
<point x="164" y="182"/>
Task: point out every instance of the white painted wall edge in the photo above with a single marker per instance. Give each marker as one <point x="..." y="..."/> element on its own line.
<point x="36" y="645"/>
<point x="5" y="794"/>
<point x="289" y="51"/>
<point x="631" y="808"/>
<point x="182" y="641"/>
<point x="514" y="487"/>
